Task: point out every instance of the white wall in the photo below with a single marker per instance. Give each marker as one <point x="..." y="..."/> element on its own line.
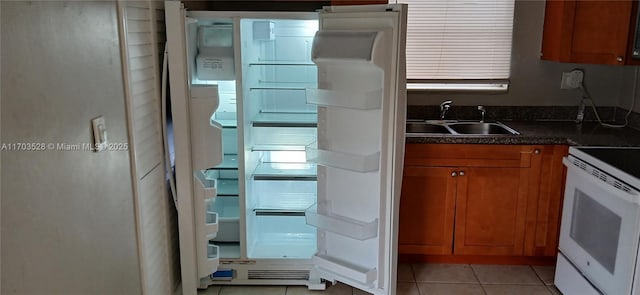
<point x="535" y="82"/>
<point x="67" y="217"/>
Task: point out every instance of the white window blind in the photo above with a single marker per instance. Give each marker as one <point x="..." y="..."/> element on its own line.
<point x="459" y="39"/>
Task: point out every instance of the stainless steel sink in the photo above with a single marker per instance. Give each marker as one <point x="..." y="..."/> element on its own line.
<point x="427" y="128"/>
<point x="458" y="128"/>
<point x="482" y="128"/>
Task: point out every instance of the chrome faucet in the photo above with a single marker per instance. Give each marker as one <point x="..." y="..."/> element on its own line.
<point x="580" y="115"/>
<point x="444" y="107"/>
<point x="482" y="111"/>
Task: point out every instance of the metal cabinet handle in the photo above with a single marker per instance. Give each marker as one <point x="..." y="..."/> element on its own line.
<point x="454" y="174"/>
<point x="536" y="151"/>
<point x="619" y="59"/>
<point x="461" y="173"/>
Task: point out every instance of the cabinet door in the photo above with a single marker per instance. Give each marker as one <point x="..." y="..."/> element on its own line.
<point x="426" y="210"/>
<point x="587" y="31"/>
<point x="544" y="204"/>
<point x="490" y="211"/>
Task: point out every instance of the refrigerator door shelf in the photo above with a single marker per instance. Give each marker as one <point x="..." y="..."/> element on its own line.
<point x="207" y="151"/>
<point x="357" y="163"/>
<point x="363" y="100"/>
<point x="211" y="221"/>
<point x="332" y="269"/>
<point x="205" y="187"/>
<point x="350" y="46"/>
<point x="210" y="264"/>
<point x="341" y="225"/>
<point x="206" y="91"/>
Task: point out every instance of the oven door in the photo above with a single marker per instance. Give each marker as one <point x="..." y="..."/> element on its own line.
<point x="599" y="231"/>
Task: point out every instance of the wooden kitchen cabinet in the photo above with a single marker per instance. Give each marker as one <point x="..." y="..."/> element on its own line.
<point x="597" y="32"/>
<point x="427" y="210"/>
<point x="481" y="200"/>
<point x="490" y="211"/>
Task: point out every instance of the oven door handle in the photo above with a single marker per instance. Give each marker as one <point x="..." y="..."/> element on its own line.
<point x="631" y="196"/>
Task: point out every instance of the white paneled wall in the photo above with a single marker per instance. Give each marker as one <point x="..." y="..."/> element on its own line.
<point x="142" y="33"/>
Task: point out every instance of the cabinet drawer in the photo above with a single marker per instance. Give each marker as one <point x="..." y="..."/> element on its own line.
<point x="469" y="155"/>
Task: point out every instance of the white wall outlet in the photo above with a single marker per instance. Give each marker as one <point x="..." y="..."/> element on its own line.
<point x="571" y="80"/>
<point x="99" y="134"/>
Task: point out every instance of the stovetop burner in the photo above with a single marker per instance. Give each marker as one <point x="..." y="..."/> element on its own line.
<point x="625" y="159"/>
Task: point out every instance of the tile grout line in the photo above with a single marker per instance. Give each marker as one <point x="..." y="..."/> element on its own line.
<point x="478" y="278"/>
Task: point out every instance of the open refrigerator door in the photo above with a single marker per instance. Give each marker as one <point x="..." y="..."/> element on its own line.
<point x="198" y="143"/>
<point x="361" y="98"/>
<point x="288" y="147"/>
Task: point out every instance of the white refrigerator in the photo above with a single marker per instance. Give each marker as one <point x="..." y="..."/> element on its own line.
<point x="289" y="144"/>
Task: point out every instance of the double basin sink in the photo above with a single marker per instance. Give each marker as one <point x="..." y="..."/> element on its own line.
<point x="458" y="128"/>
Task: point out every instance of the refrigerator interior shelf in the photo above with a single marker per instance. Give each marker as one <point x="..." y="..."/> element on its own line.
<point x="281" y="63"/>
<point x="277" y="147"/>
<point x="278" y="212"/>
<point x="357" y="163"/>
<point x="227" y="123"/>
<point x="342" y="268"/>
<point x="227" y="187"/>
<point x="285" y="171"/>
<point x="364" y="100"/>
<point x="263" y="85"/>
<point x="342" y="225"/>
<point x="286" y="120"/>
<point x="228" y="162"/>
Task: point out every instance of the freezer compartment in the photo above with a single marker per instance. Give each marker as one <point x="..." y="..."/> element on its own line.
<point x="341" y="225"/>
<point x="357" y="163"/>
<point x="277" y="237"/>
<point x="330" y="267"/>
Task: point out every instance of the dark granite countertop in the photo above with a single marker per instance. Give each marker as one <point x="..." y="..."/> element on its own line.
<point x="545" y="132"/>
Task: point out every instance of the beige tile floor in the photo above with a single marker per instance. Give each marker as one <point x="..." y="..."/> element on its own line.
<point x="432" y="279"/>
